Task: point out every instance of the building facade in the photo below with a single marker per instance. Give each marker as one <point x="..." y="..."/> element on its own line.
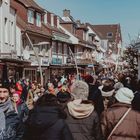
<point x="10" y="64"/>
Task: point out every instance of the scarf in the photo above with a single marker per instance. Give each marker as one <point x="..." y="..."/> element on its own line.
<point x="79" y="110"/>
<point x="5" y="108"/>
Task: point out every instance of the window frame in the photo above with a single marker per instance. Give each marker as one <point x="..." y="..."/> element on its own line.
<point x="38" y="20"/>
<point x="30" y="19"/>
<point x="6" y="35"/>
<point x="109" y="35"/>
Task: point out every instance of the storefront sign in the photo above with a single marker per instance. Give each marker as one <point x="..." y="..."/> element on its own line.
<point x="56" y="61"/>
<point x="84" y="61"/>
<point x="44" y="62"/>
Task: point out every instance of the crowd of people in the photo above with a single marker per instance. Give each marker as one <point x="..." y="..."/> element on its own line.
<point x="96" y="107"/>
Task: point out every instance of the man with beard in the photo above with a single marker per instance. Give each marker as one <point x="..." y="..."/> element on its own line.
<point x="10" y="126"/>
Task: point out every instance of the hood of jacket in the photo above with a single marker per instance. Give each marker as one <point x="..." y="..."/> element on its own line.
<point x="79" y="110"/>
<point x="44" y="117"/>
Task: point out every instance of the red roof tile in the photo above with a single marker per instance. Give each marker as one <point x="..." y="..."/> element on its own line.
<point x="102" y="30"/>
<point x="31" y="4"/>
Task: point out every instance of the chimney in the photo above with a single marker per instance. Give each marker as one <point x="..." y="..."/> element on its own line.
<point x="78" y="22"/>
<point x="66" y="13"/>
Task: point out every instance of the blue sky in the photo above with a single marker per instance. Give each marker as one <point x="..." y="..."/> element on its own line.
<point x="125" y="12"/>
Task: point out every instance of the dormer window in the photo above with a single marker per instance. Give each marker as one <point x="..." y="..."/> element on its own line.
<point x="109" y="35"/>
<point x="31" y="16"/>
<point x="38" y="19"/>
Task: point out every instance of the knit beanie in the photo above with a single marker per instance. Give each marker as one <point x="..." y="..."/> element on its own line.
<point x="124" y="95"/>
<point x="80" y="90"/>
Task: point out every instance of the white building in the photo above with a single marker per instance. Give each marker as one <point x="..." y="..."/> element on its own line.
<point x="7" y="30"/>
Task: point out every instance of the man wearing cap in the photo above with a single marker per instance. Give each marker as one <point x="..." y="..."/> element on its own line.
<point x="10" y="126"/>
<point x="120" y="122"/>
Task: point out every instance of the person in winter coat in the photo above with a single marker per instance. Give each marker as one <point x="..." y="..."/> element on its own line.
<point x="25" y="88"/>
<point x="10" y="124"/>
<point x="128" y="128"/>
<point x="82" y="118"/>
<point x="63" y="97"/>
<point x="136" y="101"/>
<point x="47" y="121"/>
<point x="20" y="107"/>
<point x="94" y="93"/>
<point x="107" y="91"/>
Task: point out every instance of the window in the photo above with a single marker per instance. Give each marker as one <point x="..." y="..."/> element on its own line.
<point x="84" y="35"/>
<point x="6" y="1"/>
<point x="6" y="30"/>
<point x="65" y="49"/>
<point x="110" y="35"/>
<point x="31" y="16"/>
<point x="54" y="48"/>
<point x="12" y="34"/>
<point x="38" y="20"/>
<point x="60" y="48"/>
<point x="31" y="74"/>
<point x="45" y="19"/>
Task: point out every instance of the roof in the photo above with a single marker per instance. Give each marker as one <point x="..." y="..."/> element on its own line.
<point x="32" y="28"/>
<point x="31" y="4"/>
<point x="82" y="26"/>
<point x="55" y="29"/>
<point x="102" y="30"/>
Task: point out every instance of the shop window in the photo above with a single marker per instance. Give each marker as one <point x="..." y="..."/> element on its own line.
<point x="30" y="74"/>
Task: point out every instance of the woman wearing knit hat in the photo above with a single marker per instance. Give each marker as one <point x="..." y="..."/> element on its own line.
<point x="82" y="119"/>
<point x="120" y="121"/>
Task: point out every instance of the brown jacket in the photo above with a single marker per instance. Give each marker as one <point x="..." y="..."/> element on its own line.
<point x="129" y="129"/>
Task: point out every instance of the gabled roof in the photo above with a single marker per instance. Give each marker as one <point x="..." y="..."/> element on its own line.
<point x="31" y="4"/>
<point x="102" y="30"/>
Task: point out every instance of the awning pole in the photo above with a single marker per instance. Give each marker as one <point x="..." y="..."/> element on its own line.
<point x="37" y="57"/>
<point x="75" y="63"/>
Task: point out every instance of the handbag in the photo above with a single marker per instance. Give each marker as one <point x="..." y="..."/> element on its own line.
<point x="116" y="126"/>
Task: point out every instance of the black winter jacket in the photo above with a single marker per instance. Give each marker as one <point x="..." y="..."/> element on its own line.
<point x="14" y="128"/>
<point x="47" y="123"/>
<point x="96" y="96"/>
